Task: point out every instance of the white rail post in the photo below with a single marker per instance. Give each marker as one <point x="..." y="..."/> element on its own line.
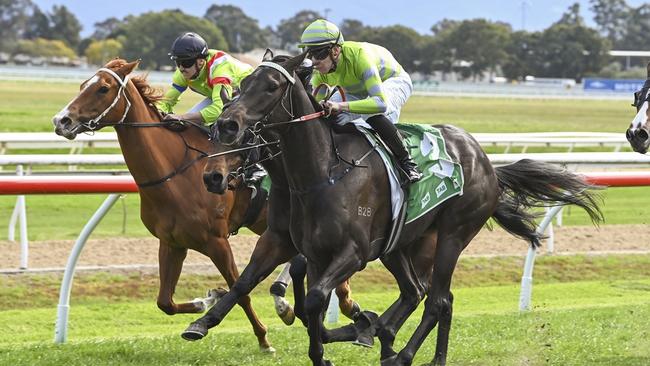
<point x="527" y="278"/>
<point x="19" y="215"/>
<point x="61" y="326"/>
<point x="11" y="230"/>
<point x="550" y="242"/>
<point x="333" y="308"/>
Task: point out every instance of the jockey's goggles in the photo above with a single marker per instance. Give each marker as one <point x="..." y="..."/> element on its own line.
<point x="186" y="63"/>
<point x="319" y="53"/>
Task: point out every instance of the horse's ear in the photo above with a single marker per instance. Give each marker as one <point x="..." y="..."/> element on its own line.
<point x="648" y="70"/>
<point x="127" y="68"/>
<point x="268" y="55"/>
<point x="293" y="63"/>
<point x="223" y="94"/>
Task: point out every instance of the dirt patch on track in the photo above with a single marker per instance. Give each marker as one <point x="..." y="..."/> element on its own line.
<point x="144" y="251"/>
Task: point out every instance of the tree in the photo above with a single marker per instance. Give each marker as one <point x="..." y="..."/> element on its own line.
<point x="290" y="30"/>
<point x="99" y="52"/>
<point x="352" y="29"/>
<point x="638" y="28"/>
<point x="444" y="26"/>
<point x="64" y="26"/>
<point x="14" y="15"/>
<point x="38" y="25"/>
<point x="149" y="36"/>
<point x="612" y="17"/>
<point x="41" y="47"/>
<point x="572" y="16"/>
<point x="403" y="42"/>
<point x="571" y="51"/>
<point x="241" y="31"/>
<point x="481" y="43"/>
<point x="106" y="28"/>
<point x="439" y="51"/>
<point x="523" y="59"/>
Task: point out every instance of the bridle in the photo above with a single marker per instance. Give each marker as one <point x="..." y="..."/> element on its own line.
<point x="258" y="127"/>
<point x="641" y="96"/>
<point x="94" y="124"/>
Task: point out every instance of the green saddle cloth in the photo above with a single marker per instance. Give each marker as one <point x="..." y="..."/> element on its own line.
<point x="442" y="177"/>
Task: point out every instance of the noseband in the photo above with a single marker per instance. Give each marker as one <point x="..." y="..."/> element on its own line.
<point x="93" y="124"/>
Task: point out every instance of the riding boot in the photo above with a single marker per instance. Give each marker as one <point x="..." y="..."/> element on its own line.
<point x="390" y="135"/>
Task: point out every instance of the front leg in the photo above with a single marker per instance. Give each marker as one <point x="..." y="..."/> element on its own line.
<point x="271" y="250"/>
<point x="343" y="266"/>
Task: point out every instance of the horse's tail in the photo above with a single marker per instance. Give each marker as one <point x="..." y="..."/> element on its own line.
<point x="529" y="183"/>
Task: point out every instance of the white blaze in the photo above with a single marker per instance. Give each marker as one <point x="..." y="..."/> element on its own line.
<point x="64" y="112"/>
<point x="641" y="116"/>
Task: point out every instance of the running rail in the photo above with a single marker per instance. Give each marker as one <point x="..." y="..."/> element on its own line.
<point x="609" y="179"/>
<point x="58" y="184"/>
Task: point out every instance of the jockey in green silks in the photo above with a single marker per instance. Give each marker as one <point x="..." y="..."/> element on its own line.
<point x="375" y="84"/>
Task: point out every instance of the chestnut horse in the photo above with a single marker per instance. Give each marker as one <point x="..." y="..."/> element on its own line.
<point x="332" y="173"/>
<point x="167" y="165"/>
<point x="638" y="134"/>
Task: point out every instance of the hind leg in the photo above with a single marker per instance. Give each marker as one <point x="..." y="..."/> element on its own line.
<point x="412" y="277"/>
<point x="347" y="305"/>
<point x="455" y="230"/>
<point x="278" y="291"/>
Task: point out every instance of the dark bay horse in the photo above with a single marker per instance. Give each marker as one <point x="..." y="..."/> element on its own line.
<point x="223" y="174"/>
<point x="167" y="166"/>
<point x="330" y="174"/>
<point x="638" y="134"/>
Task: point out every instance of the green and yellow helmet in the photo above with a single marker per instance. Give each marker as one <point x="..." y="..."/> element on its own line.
<point x="319" y="33"/>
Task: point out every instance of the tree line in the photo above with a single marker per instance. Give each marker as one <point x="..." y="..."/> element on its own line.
<point x="471" y="48"/>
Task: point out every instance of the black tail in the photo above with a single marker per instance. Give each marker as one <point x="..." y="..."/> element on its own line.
<point x="529" y="183"/>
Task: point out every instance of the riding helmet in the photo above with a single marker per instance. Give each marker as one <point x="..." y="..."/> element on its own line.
<point x="189" y="46"/>
<point x="319" y="33"/>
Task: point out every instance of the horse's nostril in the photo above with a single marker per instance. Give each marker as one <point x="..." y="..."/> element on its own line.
<point x="65" y="120"/>
<point x="230" y="127"/>
<point x="641" y="134"/>
<point x="212" y="180"/>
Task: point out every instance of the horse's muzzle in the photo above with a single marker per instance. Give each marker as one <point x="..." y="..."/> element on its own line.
<point x="64" y="126"/>
<point x="639" y="139"/>
<point x="228" y="131"/>
<point x="215" y="182"/>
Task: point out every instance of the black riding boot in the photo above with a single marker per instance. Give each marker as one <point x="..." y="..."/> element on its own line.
<point x="388" y="132"/>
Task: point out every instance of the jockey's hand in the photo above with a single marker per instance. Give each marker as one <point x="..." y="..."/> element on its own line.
<point x="331" y="108"/>
<point x="171" y="117"/>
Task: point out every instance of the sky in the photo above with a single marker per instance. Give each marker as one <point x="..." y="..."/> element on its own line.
<point x="532" y="15"/>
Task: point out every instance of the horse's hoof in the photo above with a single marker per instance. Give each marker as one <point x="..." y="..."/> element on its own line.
<point x="217" y="293"/>
<point x="364" y="341"/>
<point x="356" y="309"/>
<point x="284" y="310"/>
<point x="194" y="332"/>
<point x="268" y="349"/>
<point x="327" y="363"/>
<point x="288" y="317"/>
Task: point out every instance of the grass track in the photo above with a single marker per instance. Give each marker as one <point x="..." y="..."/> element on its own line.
<point x="588" y="310"/>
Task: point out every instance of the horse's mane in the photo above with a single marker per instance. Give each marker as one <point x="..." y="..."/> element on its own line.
<point x="150" y="94"/>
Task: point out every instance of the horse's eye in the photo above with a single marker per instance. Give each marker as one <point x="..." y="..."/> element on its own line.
<point x="273" y="86"/>
<point x="103" y="89"/>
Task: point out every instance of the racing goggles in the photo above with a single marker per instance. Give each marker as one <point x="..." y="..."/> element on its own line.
<point x="186" y="63"/>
